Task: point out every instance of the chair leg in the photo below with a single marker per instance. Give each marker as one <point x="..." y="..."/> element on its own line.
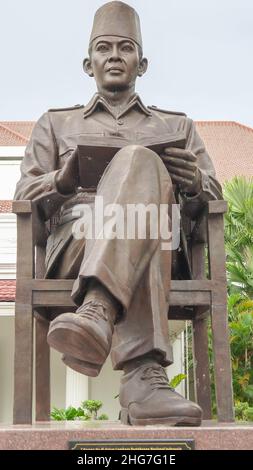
<point x="221" y="349"/>
<point x="222" y="363"/>
<point x="201" y="360"/>
<point x="42" y="370"/>
<point x="23" y="367"/>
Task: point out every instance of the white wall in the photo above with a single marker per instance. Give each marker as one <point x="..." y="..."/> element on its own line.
<point x="8" y="243"/>
<point x="178" y="366"/>
<point x="58" y="369"/>
<point x="10" y="159"/>
<point x="10" y="174"/>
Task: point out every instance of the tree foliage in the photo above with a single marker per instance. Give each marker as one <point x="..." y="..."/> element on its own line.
<point x="239" y="235"/>
<point x="239" y="250"/>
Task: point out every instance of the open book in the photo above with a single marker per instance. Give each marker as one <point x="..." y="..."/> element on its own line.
<point x="95" y="155"/>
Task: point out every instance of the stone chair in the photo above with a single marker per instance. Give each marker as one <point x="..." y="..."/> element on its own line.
<point x="191" y="300"/>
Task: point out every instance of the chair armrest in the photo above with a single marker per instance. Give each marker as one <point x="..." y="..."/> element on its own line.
<point x="22" y="207"/>
<point x="38" y="227"/>
<point x="216" y="242"/>
<point x="217" y="207"/>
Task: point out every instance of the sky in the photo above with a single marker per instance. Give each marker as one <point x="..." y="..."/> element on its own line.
<point x="200" y="56"/>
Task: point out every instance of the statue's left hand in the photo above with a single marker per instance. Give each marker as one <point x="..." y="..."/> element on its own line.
<point x="183" y="169"/>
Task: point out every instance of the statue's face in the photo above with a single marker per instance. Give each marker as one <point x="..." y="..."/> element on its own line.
<point x="114" y="62"/>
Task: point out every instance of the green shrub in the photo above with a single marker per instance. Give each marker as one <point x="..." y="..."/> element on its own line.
<point x="87" y="411"/>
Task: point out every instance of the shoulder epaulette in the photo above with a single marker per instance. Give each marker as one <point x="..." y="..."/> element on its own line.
<point x="155" y="108"/>
<point x="77" y="106"/>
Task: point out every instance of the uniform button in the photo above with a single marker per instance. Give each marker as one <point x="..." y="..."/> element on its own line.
<point x="120" y="122"/>
<point x="48" y="187"/>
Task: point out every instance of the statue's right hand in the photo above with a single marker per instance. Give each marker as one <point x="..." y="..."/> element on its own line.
<point x="67" y="179"/>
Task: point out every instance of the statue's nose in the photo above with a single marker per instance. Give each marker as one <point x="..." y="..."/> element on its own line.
<point x="115" y="55"/>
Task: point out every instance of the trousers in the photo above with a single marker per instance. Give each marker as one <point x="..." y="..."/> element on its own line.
<point x="136" y="271"/>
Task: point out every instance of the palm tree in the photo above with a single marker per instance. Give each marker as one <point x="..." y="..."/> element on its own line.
<point x="239" y="248"/>
<point x="239" y="235"/>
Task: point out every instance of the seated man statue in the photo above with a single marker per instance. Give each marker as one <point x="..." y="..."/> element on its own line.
<point x="122" y="284"/>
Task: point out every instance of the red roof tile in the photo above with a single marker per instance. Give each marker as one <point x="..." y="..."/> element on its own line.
<point x="15" y="133"/>
<point x="5" y="206"/>
<point x="7" y="290"/>
<point x="230" y="145"/>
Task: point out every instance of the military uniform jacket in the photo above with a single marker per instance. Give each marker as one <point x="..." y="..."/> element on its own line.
<point x="58" y="132"/>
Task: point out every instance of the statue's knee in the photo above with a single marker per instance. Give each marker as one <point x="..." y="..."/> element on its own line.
<point x="138" y="151"/>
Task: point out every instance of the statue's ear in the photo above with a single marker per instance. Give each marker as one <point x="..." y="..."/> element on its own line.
<point x="143" y="65"/>
<point x="87" y="67"/>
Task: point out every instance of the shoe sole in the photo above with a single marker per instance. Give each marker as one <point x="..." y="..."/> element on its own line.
<point x="85" y="368"/>
<point x="71" y="340"/>
<point x="125" y="418"/>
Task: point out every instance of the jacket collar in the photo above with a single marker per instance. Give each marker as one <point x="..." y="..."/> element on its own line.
<point x="99" y="101"/>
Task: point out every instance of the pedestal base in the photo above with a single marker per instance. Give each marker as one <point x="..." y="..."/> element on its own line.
<point x="56" y="435"/>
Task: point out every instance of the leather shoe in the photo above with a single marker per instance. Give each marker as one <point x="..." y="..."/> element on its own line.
<point x="85" y="368"/>
<point x="85" y="335"/>
<point x="147" y="399"/>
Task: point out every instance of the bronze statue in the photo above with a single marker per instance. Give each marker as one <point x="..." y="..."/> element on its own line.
<point x="121" y="285"/>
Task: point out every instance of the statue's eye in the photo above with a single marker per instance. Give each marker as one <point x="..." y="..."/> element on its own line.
<point x="102" y="48"/>
<point x="127" y="48"/>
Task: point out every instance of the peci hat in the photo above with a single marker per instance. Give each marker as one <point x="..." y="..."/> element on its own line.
<point x="117" y="19"/>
